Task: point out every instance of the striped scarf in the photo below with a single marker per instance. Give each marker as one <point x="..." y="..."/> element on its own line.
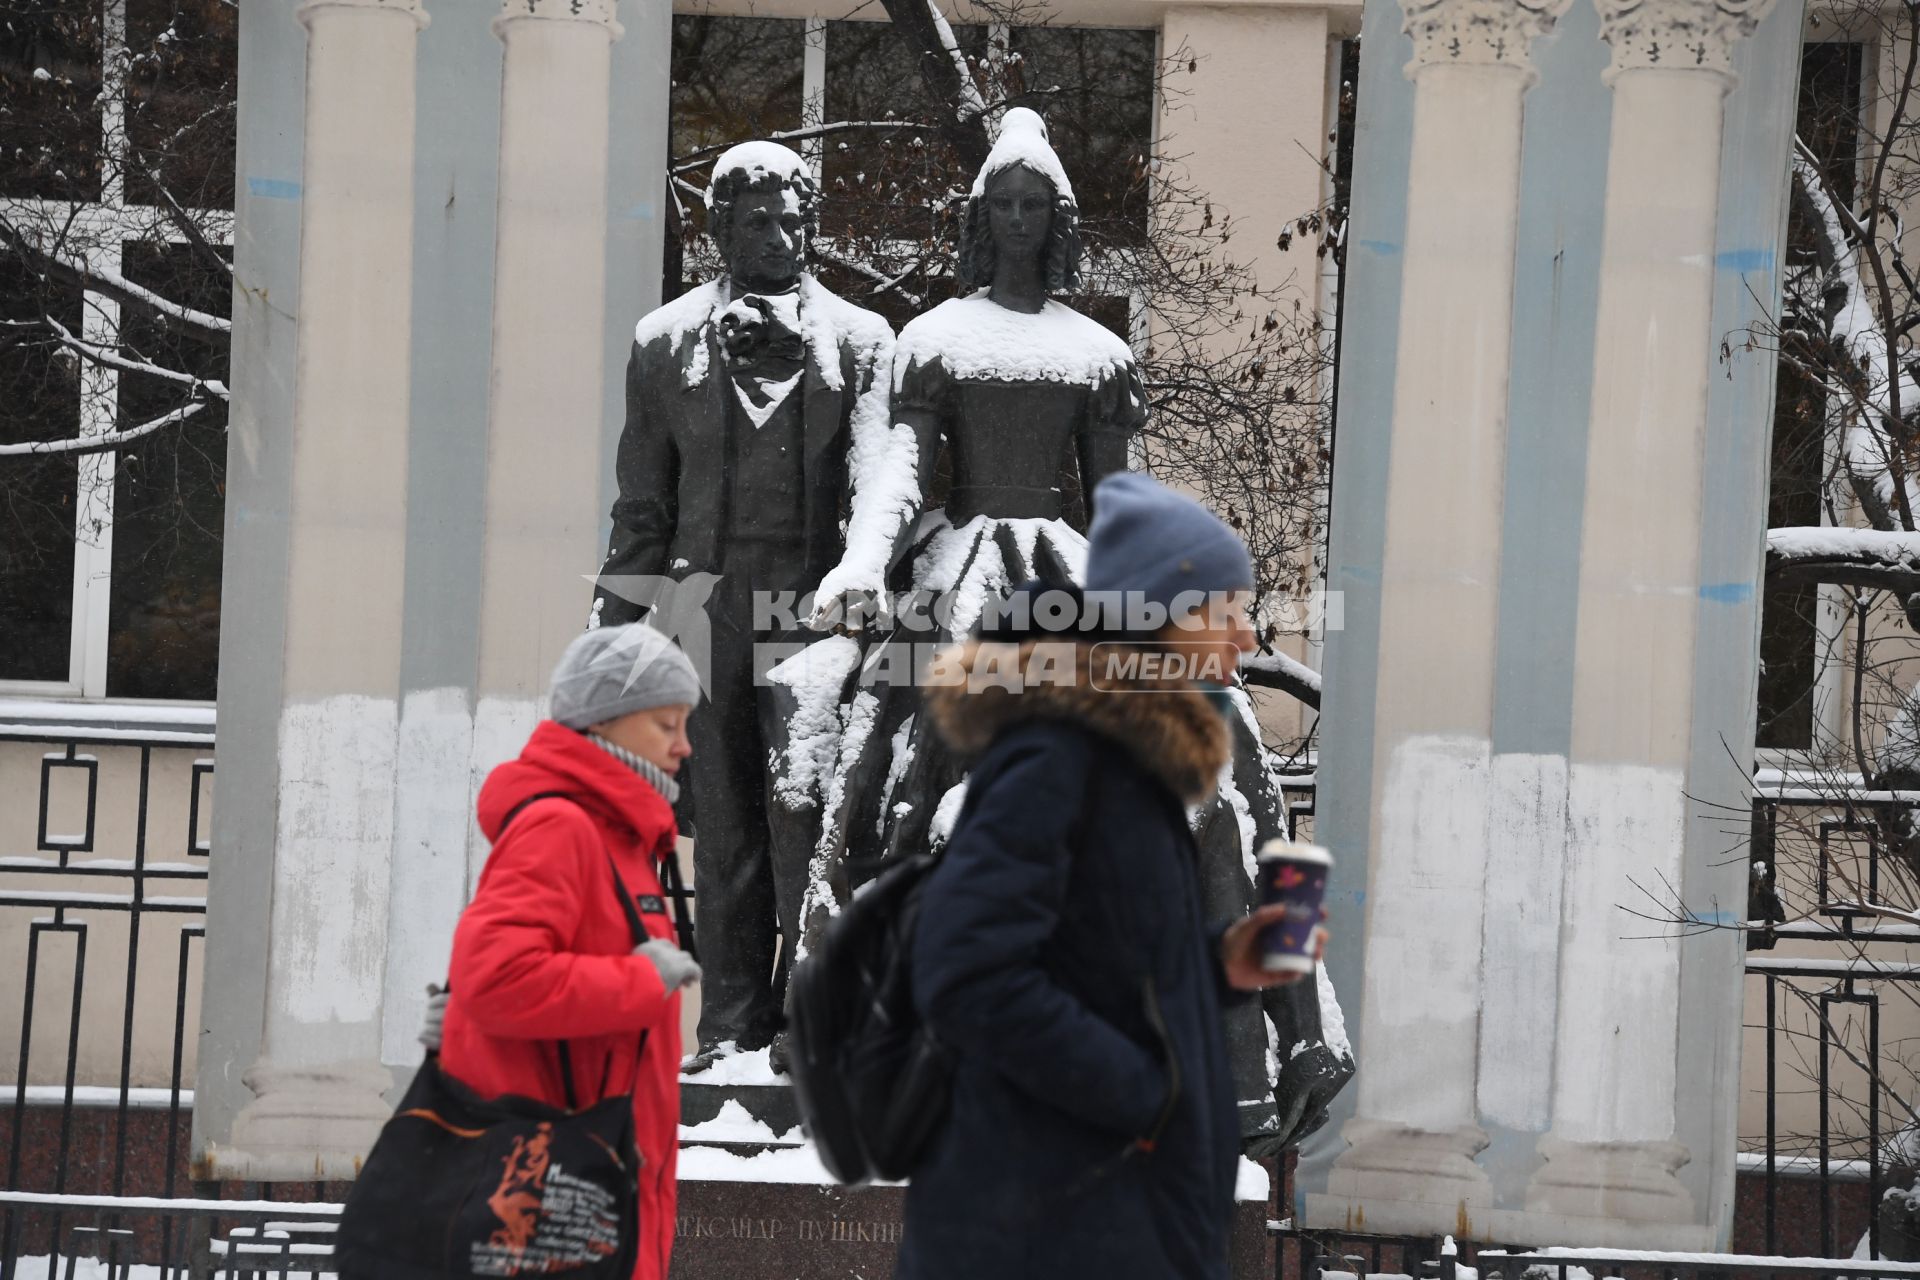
<point x="653" y="774"/>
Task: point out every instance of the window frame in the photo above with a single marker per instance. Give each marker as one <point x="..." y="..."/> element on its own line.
<point x="1833" y="656"/>
<point x="111" y="226"/>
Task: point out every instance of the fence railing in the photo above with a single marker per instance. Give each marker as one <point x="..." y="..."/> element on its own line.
<point x="1833" y="974"/>
<point x="102" y="920"/>
<point x="102" y="916"/>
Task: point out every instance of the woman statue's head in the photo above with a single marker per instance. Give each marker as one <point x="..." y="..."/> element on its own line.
<point x="1021" y="204"/>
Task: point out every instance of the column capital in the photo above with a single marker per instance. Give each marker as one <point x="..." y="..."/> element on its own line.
<point x="1485" y="33"/>
<point x="1677" y="35"/>
<point x="306" y="9"/>
<point x="597" y="12"/>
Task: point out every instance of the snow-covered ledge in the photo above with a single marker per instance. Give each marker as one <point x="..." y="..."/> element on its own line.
<point x="185" y="723"/>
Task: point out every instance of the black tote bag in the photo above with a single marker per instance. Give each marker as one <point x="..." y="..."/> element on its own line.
<point x="462" y="1186"/>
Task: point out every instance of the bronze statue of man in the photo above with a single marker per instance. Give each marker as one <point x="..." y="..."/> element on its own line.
<point x="746" y="398"/>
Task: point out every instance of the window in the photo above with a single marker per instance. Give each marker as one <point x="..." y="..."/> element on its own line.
<point x="1799" y="629"/>
<point x="116" y="192"/>
<point x="890" y="179"/>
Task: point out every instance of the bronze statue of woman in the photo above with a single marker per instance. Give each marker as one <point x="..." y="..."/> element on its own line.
<point x="1017" y="386"/>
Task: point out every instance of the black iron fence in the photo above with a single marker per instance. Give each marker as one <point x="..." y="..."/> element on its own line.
<point x="102" y="919"/>
<point x="1832" y="1072"/>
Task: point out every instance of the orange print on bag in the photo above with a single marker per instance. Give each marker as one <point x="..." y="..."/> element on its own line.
<point x="516" y="1201"/>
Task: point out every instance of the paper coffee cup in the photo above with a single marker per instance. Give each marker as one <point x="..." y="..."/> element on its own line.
<point x="1294" y="875"/>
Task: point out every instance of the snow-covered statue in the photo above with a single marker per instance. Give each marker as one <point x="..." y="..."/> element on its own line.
<point x="1019" y="389"/>
<point x="746" y="398"/>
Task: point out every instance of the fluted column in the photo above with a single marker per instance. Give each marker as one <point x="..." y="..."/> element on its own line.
<point x="545" y="431"/>
<point x="318" y="1082"/>
<point x="1611" y="1151"/>
<point x="1410" y="1163"/>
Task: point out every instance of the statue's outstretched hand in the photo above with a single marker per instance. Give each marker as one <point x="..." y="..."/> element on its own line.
<point x="849" y="602"/>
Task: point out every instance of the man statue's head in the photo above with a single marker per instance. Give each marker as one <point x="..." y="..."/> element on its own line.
<point x="760" y="212"/>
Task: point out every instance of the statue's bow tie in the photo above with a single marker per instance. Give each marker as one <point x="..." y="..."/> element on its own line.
<point x="760" y="327"/>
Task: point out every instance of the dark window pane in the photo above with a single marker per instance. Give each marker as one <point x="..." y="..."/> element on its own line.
<point x="49" y="116"/>
<point x="180" y="101"/>
<point x="1827" y="120"/>
<point x="734" y="79"/>
<point x="39" y="400"/>
<point x="1095" y="89"/>
<point x="1789" y="614"/>
<point x="169" y="491"/>
<point x="888" y="183"/>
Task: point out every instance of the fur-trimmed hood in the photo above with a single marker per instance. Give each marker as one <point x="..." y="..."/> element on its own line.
<point x="1168" y="726"/>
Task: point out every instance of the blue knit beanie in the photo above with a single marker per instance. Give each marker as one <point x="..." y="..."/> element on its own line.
<point x="1147" y="539"/>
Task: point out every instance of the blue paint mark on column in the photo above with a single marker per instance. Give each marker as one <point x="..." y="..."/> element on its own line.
<point x="1726" y="592"/>
<point x="273" y="188"/>
<point x="1744" y="260"/>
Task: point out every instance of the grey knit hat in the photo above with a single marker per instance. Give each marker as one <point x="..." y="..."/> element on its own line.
<point x="1148" y="539"/>
<point x="609" y="671"/>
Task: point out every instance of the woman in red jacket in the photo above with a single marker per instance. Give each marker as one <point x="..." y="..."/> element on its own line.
<point x="544" y="952"/>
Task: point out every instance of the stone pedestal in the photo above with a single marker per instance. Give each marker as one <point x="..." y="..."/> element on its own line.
<point x="807" y="1231"/>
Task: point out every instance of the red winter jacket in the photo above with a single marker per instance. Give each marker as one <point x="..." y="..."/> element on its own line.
<point x="543" y="952"/>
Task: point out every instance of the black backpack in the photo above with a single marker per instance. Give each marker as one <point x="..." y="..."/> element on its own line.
<point x="872" y="1082"/>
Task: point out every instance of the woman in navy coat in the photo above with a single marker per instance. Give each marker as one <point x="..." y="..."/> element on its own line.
<point x="1061" y="950"/>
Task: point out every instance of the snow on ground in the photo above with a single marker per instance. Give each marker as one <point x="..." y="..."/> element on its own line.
<point x="735" y="1124"/>
<point x="782" y="1164"/>
<point x="739" y="1069"/>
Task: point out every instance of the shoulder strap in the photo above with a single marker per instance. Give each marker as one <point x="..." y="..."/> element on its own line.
<point x="535" y="798"/>
<point x="636" y="929"/>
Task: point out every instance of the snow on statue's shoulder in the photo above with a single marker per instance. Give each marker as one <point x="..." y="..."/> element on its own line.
<point x="976" y="338"/>
<point x="831" y="320"/>
<point x="680" y="317"/>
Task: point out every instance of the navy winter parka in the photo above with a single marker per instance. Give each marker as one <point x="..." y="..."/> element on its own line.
<point x="1061" y="952"/>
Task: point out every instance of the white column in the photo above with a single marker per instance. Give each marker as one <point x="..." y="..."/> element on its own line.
<point x="1610" y="1152"/>
<point x="318" y="1083"/>
<point x="1410" y="1164"/>
<point x="545" y="436"/>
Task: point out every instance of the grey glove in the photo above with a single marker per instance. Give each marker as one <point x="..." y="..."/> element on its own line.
<point x="677" y="969"/>
<point x="435" y="1019"/>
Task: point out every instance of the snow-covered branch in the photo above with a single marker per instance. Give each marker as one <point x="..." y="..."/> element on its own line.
<point x="698" y="159"/>
<point x="883" y="283"/>
<point x="100" y="444"/>
<point x="1854" y="375"/>
<point x="111" y="283"/>
<point x="970" y="106"/>
<point x="107" y="357"/>
<point x="1278" y="671"/>
<point x="1888" y="560"/>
